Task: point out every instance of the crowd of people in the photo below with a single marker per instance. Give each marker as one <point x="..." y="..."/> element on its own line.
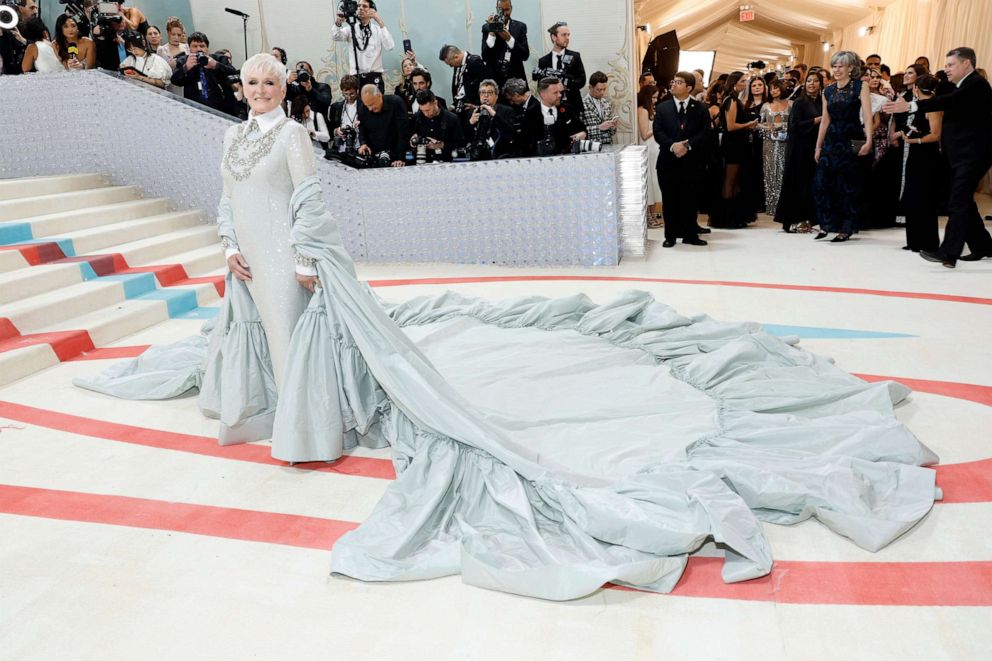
<point x="492" y="112"/>
<point x="824" y="151"/>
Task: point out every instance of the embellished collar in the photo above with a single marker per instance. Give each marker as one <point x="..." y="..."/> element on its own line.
<point x="269" y="120"/>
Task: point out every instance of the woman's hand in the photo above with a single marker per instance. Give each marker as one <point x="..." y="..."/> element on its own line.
<point x="816" y="154"/>
<point x="237" y="265"/>
<point x="308" y="282"/>
<point x="865" y="148"/>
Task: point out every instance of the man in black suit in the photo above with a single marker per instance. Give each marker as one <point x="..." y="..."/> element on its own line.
<point x="382" y="125"/>
<point x="681" y="128"/>
<point x="317" y="92"/>
<point x="548" y="126"/>
<point x="202" y="83"/>
<point x="470" y="70"/>
<point x="967" y="142"/>
<point x="505" y="51"/>
<point x="492" y="122"/>
<point x="420" y="80"/>
<point x="517" y="92"/>
<point x="563" y="64"/>
<point x="441" y="129"/>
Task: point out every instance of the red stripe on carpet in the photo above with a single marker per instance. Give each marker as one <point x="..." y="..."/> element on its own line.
<point x="101" y="264"/>
<point x="166" y="274"/>
<point x="790" y="582"/>
<point x="969" y="482"/>
<point x="201" y="445"/>
<point x="8" y="330"/>
<point x="109" y="353"/>
<point x="966" y="391"/>
<point x="65" y="344"/>
<point x="271" y="528"/>
<point x="846" y="583"/>
<point x="720" y="283"/>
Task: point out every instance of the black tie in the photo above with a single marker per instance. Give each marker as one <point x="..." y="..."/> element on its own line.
<point x="551" y="112"/>
<point x="681" y="113"/>
<point x="558" y="62"/>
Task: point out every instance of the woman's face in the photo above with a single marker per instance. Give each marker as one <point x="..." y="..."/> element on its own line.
<point x="70" y="30"/>
<point x="263" y="91"/>
<point x="740" y="86"/>
<point x="841" y="70"/>
<point x="154" y="37"/>
<point x="176" y="36"/>
<point x="812" y="85"/>
<point x="654" y="99"/>
<point x="874" y="82"/>
<point x="909" y="78"/>
<point x="306" y="112"/>
<point x="776" y="92"/>
<point x="407" y="68"/>
<point x="758" y="87"/>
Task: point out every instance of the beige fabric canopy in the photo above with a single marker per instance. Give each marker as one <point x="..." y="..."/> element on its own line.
<point x="794" y="30"/>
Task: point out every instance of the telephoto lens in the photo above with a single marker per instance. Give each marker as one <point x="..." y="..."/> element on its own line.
<point x="202" y="59"/>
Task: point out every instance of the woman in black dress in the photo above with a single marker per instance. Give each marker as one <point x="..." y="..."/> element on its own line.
<point x="920" y="139"/>
<point x="753" y="174"/>
<point x="845" y="135"/>
<point x="795" y="209"/>
<point x="732" y="210"/>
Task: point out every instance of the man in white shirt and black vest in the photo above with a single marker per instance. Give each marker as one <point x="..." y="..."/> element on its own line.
<point x="681" y="128"/>
<point x="367" y="37"/>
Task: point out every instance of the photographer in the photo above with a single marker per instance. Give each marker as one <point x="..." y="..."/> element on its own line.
<point x="563" y="64"/>
<point x="550" y="128"/>
<point x="517" y="92"/>
<point x="438" y="129"/>
<point x="368" y="37"/>
<point x="143" y="65"/>
<point x="597" y="111"/>
<point x="491" y="124"/>
<point x="302" y="81"/>
<point x="382" y="125"/>
<point x="342" y="117"/>
<point x="201" y="76"/>
<point x="505" y="49"/>
<point x="421" y="80"/>
<point x="301" y="111"/>
<point x="12" y="41"/>
<point x="108" y="33"/>
<point x="470" y="70"/>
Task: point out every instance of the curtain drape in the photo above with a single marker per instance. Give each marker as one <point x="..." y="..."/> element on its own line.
<point x="910" y="28"/>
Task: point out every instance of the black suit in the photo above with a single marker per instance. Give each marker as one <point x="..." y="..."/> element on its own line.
<point x="520" y="146"/>
<point x="680" y="178"/>
<point x="495" y="57"/>
<point x="445" y="127"/>
<point x="967" y="140"/>
<point x="499" y="129"/>
<point x="385" y="130"/>
<point x="190" y="82"/>
<point x="320" y="95"/>
<point x="567" y="124"/>
<point x="572" y="73"/>
<point x="472" y="72"/>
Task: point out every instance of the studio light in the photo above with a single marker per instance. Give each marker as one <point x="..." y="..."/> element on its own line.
<point x="8" y="18"/>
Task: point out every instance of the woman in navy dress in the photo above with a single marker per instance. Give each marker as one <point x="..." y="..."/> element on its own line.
<point x="847" y="117"/>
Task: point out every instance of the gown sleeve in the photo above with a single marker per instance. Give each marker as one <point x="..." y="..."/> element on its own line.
<point x="225" y="216"/>
<point x="302" y="165"/>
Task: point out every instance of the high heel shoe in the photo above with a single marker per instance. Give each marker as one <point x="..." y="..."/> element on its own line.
<point x="821" y="235"/>
<point x="840" y="238"/>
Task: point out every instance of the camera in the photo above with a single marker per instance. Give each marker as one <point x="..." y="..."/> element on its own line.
<point x="586" y="147"/>
<point x="202" y="59"/>
<point x="499" y="22"/>
<point x="302" y="75"/>
<point x="349" y="9"/>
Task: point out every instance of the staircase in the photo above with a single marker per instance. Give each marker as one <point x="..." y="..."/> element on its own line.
<point x="84" y="263"/>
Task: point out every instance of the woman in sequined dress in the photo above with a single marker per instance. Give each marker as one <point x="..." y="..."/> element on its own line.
<point x="842" y="139"/>
<point x="775" y="131"/>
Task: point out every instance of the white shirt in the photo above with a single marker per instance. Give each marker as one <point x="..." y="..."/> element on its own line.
<point x="556" y="58"/>
<point x="269" y="120"/>
<point x="369" y="59"/>
<point x="317" y="127"/>
<point x="549" y="114"/>
<point x="151" y="65"/>
<point x="491" y="41"/>
<point x="349" y="114"/>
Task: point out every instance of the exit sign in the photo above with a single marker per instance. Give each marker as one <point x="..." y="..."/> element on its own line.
<point x="747" y="15"/>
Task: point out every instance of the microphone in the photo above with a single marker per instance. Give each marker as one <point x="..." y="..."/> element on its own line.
<point x="73" y="50"/>
<point x="236" y="12"/>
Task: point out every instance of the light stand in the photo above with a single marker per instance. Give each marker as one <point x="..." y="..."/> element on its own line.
<point x="244" y="19"/>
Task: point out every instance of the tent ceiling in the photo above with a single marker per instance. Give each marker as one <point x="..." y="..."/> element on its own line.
<point x="778" y="24"/>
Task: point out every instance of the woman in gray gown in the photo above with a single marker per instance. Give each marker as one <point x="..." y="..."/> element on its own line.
<point x="663" y="431"/>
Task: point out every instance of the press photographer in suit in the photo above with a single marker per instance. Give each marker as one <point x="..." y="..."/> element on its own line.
<point x="201" y="76"/>
<point x="681" y="128"/>
<point x="438" y="129"/>
<point x="505" y="50"/>
<point x="492" y="122"/>
<point x="967" y="142"/>
<point x="550" y="127"/>
<point x="563" y="64"/>
<point x="470" y="70"/>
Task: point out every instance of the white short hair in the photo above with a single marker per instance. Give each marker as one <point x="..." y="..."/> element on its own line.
<point x="850" y="58"/>
<point x="264" y="63"/>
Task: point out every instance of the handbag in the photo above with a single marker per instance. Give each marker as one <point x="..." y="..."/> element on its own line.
<point x="856" y="145"/>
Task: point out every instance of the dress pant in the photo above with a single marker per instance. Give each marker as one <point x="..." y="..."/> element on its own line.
<point x="371" y="78"/>
<point x="965" y="224"/>
<point x="680" y="180"/>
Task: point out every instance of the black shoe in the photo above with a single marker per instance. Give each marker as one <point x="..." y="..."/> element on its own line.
<point x="949" y="262"/>
<point x="668" y="243"/>
<point x="821" y="235"/>
<point x="702" y="230"/>
<point x="906" y="248"/>
<point x="840" y="238"/>
<point x="974" y="257"/>
<point x="694" y="242"/>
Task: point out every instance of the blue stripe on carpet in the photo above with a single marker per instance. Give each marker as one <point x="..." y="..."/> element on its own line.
<point x="199" y="313"/>
<point x="135" y="284"/>
<point x="15" y="233"/>
<point x="178" y="300"/>
<point x="815" y="333"/>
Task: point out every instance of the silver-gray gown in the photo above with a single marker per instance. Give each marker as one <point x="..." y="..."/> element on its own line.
<point x="547" y="446"/>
